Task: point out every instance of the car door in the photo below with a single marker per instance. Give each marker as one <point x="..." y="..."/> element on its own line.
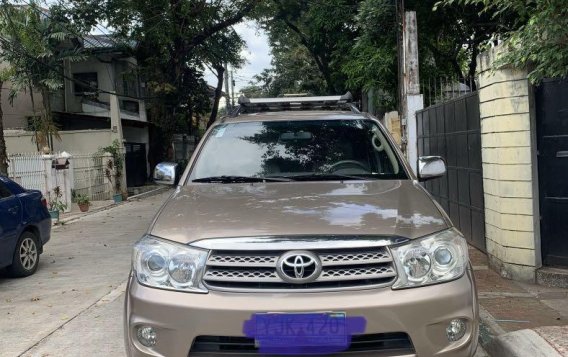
<point x="10" y="221"/>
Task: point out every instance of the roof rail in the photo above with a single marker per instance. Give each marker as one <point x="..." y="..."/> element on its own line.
<point x="252" y="105"/>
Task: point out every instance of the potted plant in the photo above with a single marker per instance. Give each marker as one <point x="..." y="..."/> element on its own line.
<point x="83" y="202"/>
<point x="115" y="167"/>
<point x="56" y="206"/>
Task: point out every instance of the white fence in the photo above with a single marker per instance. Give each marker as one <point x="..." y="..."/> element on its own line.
<point x="89" y="177"/>
<point x="30" y="171"/>
<point x="85" y="174"/>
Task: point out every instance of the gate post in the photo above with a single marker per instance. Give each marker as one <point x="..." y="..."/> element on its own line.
<point x="508" y="151"/>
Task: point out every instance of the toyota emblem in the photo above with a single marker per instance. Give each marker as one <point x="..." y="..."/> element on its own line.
<point x="298" y="267"/>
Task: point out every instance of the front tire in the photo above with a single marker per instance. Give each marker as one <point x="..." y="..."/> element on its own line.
<point x="26" y="256"/>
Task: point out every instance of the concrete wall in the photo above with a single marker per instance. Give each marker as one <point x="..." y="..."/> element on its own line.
<point x="392" y="123"/>
<point x="110" y="78"/>
<point x="74" y="141"/>
<point x="105" y="77"/>
<point x="15" y="115"/>
<point x="509" y="169"/>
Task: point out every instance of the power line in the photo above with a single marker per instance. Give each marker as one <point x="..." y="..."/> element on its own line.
<point x="23" y="52"/>
<point x="6" y="45"/>
<point x="47" y="14"/>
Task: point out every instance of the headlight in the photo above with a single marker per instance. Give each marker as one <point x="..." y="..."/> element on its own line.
<point x="435" y="259"/>
<point x="167" y="265"/>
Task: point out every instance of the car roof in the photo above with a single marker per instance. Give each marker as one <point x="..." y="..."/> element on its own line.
<point x="293" y="115"/>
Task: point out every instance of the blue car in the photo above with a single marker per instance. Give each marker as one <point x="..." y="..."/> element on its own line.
<point x="25" y="227"/>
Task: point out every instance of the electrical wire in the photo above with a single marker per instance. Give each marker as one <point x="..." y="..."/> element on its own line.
<point x="6" y="46"/>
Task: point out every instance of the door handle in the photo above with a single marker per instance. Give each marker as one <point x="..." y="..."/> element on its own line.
<point x="13" y="210"/>
<point x="562" y="154"/>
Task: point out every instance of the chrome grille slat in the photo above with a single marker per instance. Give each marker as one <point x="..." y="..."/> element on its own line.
<point x="341" y="268"/>
<point x="336" y="259"/>
<point x="241" y="260"/>
<point x="249" y="276"/>
<point x="357" y="273"/>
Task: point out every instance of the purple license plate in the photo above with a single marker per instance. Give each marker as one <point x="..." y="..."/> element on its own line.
<point x="289" y="331"/>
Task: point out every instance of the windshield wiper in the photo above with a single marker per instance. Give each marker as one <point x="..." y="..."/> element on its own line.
<point x="324" y="177"/>
<point x="240" y="179"/>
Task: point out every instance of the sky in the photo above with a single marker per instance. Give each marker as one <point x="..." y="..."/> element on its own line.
<point x="257" y="54"/>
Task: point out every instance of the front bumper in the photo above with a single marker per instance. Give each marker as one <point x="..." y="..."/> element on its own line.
<point x="423" y="313"/>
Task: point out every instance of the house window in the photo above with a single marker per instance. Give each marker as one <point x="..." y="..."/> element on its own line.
<point x="86" y="82"/>
<point x="131" y="106"/>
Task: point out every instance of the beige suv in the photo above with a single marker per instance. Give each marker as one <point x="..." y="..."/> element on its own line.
<point x="297" y="229"/>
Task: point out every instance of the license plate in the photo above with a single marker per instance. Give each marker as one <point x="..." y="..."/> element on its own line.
<point x="324" y="329"/>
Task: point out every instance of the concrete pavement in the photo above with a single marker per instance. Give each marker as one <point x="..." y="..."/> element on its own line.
<point x="72" y="306"/>
<point x="520" y="319"/>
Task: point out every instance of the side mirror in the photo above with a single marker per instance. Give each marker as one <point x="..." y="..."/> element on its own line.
<point x="430" y="167"/>
<point x="165" y="173"/>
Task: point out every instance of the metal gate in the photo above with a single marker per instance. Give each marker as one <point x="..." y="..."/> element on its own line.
<point x="452" y="130"/>
<point x="135" y="158"/>
<point x="551" y="99"/>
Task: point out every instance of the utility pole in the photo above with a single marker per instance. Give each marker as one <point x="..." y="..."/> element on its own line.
<point x="227" y="93"/>
<point x="232" y="90"/>
<point x="400" y="55"/>
<point x="412" y="100"/>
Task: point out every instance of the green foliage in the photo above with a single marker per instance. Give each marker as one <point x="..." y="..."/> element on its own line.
<point x="372" y="60"/>
<point x="116" y="164"/>
<point x="539" y="39"/>
<point x="253" y="91"/>
<point x="82" y="199"/>
<point x="54" y="200"/>
<point x="333" y="46"/>
<point x="309" y="40"/>
<point x="34" y="47"/>
<point x="177" y="40"/>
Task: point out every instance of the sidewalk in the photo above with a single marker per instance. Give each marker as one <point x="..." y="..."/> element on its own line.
<point x="519" y="319"/>
<point x="97" y="206"/>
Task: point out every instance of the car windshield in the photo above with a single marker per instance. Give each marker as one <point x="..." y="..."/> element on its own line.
<point x="296" y="150"/>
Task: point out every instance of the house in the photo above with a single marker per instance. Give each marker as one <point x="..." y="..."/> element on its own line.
<point x="82" y="109"/>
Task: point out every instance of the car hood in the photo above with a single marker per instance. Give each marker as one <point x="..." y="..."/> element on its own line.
<point x="393" y="207"/>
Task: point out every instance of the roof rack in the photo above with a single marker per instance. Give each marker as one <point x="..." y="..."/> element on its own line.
<point x="255" y="105"/>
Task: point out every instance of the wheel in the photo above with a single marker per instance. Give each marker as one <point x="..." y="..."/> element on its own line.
<point x="26" y="256"/>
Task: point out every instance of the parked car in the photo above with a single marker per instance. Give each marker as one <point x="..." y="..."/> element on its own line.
<point x="25" y="227"/>
<point x="299" y="228"/>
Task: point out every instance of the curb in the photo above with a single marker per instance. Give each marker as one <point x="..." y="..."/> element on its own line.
<point x="143" y="195"/>
<point x="488" y="328"/>
<point x="522" y="343"/>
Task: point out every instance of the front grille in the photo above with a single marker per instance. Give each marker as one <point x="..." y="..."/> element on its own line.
<point x="395" y="343"/>
<point x="341" y="268"/>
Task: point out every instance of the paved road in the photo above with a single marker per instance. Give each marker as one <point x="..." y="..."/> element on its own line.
<point x="72" y="306"/>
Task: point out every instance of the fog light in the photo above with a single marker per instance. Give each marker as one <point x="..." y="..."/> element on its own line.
<point x="456" y="330"/>
<point x="146" y="335"/>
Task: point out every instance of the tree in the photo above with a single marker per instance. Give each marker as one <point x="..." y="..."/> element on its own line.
<point x="254" y="91"/>
<point x="293" y="71"/>
<point x="175" y="39"/>
<point x="352" y="45"/>
<point x="323" y="28"/>
<point x="3" y="154"/>
<point x="538" y="38"/>
<point x="372" y="62"/>
<point x="35" y="47"/>
<point x="223" y="48"/>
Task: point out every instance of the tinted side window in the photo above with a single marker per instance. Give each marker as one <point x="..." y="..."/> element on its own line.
<point x="4" y="191"/>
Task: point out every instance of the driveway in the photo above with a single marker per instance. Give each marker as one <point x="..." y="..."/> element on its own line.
<point x="72" y="306"/>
